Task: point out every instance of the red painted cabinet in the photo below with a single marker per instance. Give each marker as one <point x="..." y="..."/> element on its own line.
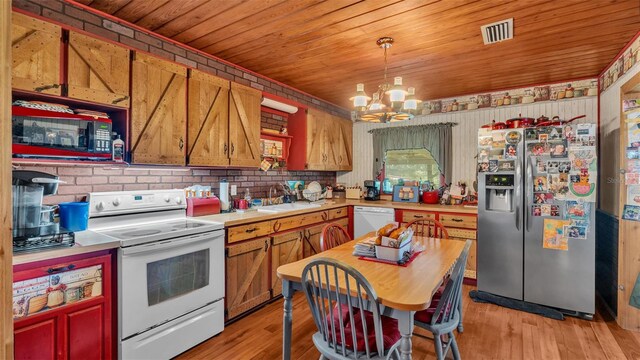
<point x="63" y="308"/>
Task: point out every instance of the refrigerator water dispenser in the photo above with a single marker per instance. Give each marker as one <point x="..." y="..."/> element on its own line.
<point x="499" y="190"/>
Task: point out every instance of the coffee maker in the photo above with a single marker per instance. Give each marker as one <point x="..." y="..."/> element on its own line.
<point x="372" y="191"/>
<point x="34" y="225"/>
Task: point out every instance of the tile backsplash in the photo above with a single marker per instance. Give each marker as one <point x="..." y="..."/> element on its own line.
<point x="82" y="179"/>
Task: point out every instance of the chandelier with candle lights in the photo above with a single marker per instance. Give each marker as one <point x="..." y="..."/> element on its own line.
<point x="401" y="105"/>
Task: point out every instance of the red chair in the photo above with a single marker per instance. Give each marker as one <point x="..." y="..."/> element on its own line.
<point x="428" y="227"/>
<point x="333" y="235"/>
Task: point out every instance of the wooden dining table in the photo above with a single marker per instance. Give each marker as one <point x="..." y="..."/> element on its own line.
<point x="401" y="290"/>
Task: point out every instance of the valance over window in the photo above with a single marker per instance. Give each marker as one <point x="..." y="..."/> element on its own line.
<point x="436" y="138"/>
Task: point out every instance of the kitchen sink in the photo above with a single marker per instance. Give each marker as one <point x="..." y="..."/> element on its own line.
<point x="287" y="207"/>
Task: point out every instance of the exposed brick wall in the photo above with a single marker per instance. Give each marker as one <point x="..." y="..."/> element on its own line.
<point x="273" y="121"/>
<point x="121" y="31"/>
<point x="84" y="179"/>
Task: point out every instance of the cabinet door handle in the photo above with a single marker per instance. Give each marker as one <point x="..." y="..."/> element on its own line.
<point x="277" y="226"/>
<point x="324" y="216"/>
<point x="339" y="212"/>
<point x="226" y="148"/>
<point x="120" y="99"/>
<point x="233" y="148"/>
<point x="340" y="159"/>
<point x="266" y="246"/>
<point x="249" y="231"/>
<point x="457" y="220"/>
<point x="46" y="87"/>
<point x="418" y="216"/>
<point x="62" y="268"/>
<point x="181" y="144"/>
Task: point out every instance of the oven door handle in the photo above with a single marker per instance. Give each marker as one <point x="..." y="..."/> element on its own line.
<point x="165" y="244"/>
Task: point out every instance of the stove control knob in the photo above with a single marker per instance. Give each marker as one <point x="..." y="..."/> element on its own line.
<point x="167" y="199"/>
<point x="178" y="200"/>
<point x="100" y="206"/>
<point x="116" y="201"/>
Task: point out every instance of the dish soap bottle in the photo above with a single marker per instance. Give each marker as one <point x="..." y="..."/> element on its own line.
<point x="117" y="153"/>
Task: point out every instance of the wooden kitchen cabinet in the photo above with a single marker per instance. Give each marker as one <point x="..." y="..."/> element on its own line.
<point x="296" y="221"/>
<point x="208" y="117"/>
<point x="36" y="55"/>
<point x="311" y="244"/>
<point x="244" y="126"/>
<point x="326" y="142"/>
<point x="460" y="227"/>
<point x="339" y="153"/>
<point x="249" y="231"/>
<point x="286" y="248"/>
<point x="316" y="140"/>
<point x="78" y="328"/>
<point x="97" y="71"/>
<point x="247" y="272"/>
<point x="158" y="111"/>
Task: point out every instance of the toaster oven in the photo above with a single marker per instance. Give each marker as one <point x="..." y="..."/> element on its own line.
<point x="42" y="133"/>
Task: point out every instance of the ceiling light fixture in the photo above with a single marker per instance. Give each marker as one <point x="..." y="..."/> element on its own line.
<point x="402" y="102"/>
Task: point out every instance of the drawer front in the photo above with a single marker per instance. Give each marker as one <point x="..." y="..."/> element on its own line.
<point x="408" y="216"/>
<point x="344" y="222"/>
<point x="297" y="221"/>
<point x="338" y="213"/>
<point x="462" y="233"/>
<point x="249" y="231"/>
<point x="459" y="221"/>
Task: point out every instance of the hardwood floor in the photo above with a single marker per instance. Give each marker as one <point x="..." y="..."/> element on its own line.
<point x="490" y="332"/>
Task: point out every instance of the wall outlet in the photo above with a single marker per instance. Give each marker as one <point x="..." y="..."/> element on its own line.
<point x="234" y="190"/>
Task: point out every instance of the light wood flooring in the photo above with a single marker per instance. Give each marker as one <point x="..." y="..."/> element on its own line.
<point x="490" y="332"/>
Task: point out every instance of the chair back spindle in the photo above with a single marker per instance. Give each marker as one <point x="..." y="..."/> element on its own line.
<point x="331" y="307"/>
<point x="429" y="228"/>
<point x="333" y="235"/>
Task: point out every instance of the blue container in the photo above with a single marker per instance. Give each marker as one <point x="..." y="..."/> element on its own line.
<point x="74" y="216"/>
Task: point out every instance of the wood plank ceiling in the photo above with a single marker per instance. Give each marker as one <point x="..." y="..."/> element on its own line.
<point x="326" y="47"/>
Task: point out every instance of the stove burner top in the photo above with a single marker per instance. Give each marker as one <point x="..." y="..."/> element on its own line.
<point x="143" y="232"/>
<point x="188" y="226"/>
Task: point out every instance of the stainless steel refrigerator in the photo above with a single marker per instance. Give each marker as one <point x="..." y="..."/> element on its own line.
<point x="536" y="215"/>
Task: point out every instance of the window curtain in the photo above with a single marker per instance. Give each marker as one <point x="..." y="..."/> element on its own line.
<point x="436" y="138"/>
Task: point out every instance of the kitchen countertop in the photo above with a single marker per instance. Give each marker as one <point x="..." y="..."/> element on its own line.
<point x="233" y="219"/>
<point x="89" y="241"/>
<point x="86" y="242"/>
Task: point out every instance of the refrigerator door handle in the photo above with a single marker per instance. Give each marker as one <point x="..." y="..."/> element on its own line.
<point x="518" y="197"/>
<point x="529" y="181"/>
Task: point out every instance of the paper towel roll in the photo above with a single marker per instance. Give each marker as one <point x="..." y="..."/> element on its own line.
<point x="224" y="195"/>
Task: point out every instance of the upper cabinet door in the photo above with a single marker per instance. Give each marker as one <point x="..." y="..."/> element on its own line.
<point x="344" y="147"/>
<point x="36" y="55"/>
<point x="316" y="140"/>
<point x="158" y="111"/>
<point x="208" y="113"/>
<point x="97" y="71"/>
<point x="244" y="126"/>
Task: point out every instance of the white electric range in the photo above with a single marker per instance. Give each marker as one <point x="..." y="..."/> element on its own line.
<point x="170" y="271"/>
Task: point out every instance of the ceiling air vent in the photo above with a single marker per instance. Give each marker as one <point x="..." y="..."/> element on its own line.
<point x="497" y="32"/>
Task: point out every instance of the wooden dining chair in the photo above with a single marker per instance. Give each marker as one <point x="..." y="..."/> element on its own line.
<point x="333" y="235"/>
<point x="345" y="329"/>
<point x="428" y="227"/>
<point x="443" y="316"/>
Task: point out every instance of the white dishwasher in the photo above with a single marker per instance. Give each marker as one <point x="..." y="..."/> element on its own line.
<point x="367" y="219"/>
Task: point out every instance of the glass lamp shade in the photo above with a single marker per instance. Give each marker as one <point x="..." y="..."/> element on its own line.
<point x="397" y="92"/>
<point x="411" y="103"/>
<point x="376" y="104"/>
<point x="360" y="99"/>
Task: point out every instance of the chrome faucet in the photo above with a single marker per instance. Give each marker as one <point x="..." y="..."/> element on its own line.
<point x="271" y="189"/>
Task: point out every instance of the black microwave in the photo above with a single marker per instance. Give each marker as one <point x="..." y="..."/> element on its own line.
<point x="43" y="133"/>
